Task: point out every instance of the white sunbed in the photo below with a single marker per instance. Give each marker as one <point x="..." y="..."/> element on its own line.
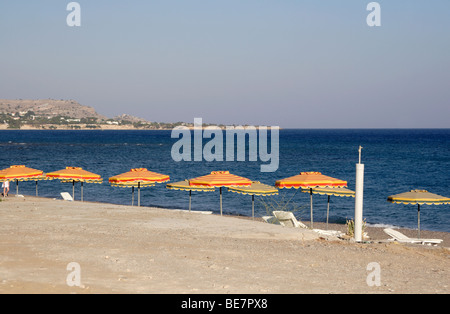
<point x="66" y="196"/>
<point x="270" y="219"/>
<point x="330" y="233"/>
<point x="288" y="219"/>
<point x="400" y="237"/>
<point x="193" y="211"/>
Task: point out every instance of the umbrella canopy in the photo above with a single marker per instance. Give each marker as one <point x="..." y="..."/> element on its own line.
<point x="418" y="197"/>
<point x="220" y="179"/>
<point x="22" y="173"/>
<point x="310" y="180"/>
<point x="341" y="192"/>
<point x="75" y="174"/>
<point x="256" y="188"/>
<point x="138" y="177"/>
<point x="185" y="186"/>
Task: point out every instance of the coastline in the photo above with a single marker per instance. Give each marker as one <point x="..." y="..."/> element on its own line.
<point x="123" y="249"/>
<point x="102" y="128"/>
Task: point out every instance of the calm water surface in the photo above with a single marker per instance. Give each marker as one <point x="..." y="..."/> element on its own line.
<point x="395" y="161"/>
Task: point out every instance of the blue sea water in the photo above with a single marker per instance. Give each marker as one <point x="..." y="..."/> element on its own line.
<point x="396" y="161"/>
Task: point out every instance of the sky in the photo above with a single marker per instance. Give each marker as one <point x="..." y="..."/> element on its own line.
<point x="287" y="63"/>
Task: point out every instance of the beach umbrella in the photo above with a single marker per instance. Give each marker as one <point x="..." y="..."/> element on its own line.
<point x="185" y="186"/>
<point x="256" y="188"/>
<point x="220" y="179"/>
<point x="341" y="192"/>
<point x="22" y="173"/>
<point x="75" y="174"/>
<point x="140" y="178"/>
<point x="310" y="180"/>
<point x="418" y="197"/>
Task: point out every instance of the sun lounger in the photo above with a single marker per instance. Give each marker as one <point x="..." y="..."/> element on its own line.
<point x="288" y="219"/>
<point x="193" y="211"/>
<point x="400" y="237"/>
<point x="66" y="196"/>
<point x="270" y="219"/>
<point x="330" y="233"/>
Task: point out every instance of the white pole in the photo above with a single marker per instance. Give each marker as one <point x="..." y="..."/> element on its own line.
<point x="359" y="191"/>
<point x="139" y="194"/>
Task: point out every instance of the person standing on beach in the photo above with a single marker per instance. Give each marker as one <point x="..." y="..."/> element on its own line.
<point x="5" y="187"/>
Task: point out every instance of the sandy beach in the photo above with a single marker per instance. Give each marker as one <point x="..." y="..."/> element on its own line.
<point x="123" y="249"/>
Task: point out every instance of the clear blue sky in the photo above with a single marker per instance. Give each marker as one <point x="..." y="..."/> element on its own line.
<point x="290" y="63"/>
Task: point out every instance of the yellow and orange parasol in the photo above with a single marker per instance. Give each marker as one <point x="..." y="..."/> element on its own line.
<point x="418" y="197"/>
<point x="138" y="177"/>
<point x="220" y="179"/>
<point x="22" y="173"/>
<point x="310" y="180"/>
<point x="75" y="174"/>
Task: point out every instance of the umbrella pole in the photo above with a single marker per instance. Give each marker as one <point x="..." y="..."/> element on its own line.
<point x="81" y="190"/>
<point x="328" y="209"/>
<point x="139" y="194"/>
<point x="418" y="219"/>
<point x="17" y="187"/>
<point x="220" y="201"/>
<point x="132" y="196"/>
<point x="73" y="190"/>
<point x="253" y="206"/>
<point x="310" y="192"/>
<point x="190" y="196"/>
<point x="37" y="192"/>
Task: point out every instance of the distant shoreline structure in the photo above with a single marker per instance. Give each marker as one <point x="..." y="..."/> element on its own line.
<point x="106" y="128"/>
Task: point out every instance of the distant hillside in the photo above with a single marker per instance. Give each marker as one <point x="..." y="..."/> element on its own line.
<point x="51" y="114"/>
<point x="49" y="108"/>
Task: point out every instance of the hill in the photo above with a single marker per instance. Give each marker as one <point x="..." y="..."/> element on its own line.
<point x="49" y="108"/>
<point x="61" y="114"/>
<point x="29" y="114"/>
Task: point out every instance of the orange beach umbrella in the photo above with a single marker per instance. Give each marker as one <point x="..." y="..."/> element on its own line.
<point x="310" y="180"/>
<point x="220" y="179"/>
<point x="138" y="177"/>
<point x="75" y="174"/>
<point x="22" y="173"/>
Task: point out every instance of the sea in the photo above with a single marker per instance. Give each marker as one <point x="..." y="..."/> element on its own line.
<point x="396" y="161"/>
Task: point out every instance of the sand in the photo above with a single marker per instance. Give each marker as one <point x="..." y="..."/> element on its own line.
<point x="123" y="249"/>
